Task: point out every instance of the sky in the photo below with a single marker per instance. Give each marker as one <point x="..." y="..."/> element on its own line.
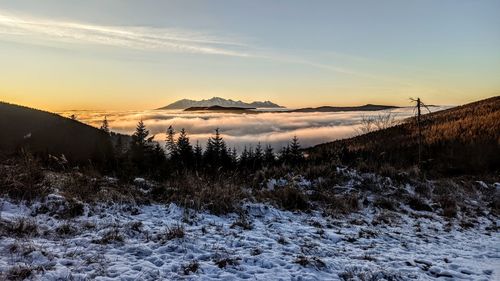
<point x="139" y="55"/>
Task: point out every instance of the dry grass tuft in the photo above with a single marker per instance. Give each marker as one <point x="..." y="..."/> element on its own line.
<point x="112" y="236"/>
<point x="21" y="227"/>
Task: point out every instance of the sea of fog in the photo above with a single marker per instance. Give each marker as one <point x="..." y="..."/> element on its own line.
<point x="274" y="128"/>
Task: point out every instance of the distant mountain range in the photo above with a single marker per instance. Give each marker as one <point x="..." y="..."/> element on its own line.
<point x="220" y="108"/>
<point x="217" y="101"/>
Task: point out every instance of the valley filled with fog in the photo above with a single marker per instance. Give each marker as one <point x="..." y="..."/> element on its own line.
<point x="273" y="128"/>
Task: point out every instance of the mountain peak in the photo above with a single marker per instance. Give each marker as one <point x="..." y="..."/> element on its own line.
<point x="218" y="101"/>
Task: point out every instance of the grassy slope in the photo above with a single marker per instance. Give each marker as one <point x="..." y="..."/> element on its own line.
<point x="464" y="139"/>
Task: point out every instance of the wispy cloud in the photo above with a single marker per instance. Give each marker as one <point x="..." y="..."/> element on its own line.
<point x="162" y="39"/>
<point x="123" y="36"/>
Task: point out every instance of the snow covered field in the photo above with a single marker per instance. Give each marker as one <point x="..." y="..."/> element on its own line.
<point x="166" y="242"/>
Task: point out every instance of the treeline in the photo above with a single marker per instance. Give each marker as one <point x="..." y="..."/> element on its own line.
<point x="146" y="157"/>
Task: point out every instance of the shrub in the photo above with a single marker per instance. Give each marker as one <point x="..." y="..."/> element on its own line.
<point x="449" y="206"/>
<point x="19" y="272"/>
<point x="242" y="222"/>
<point x="419" y="204"/>
<point x="288" y="198"/>
<point x="223" y="262"/>
<point x="191" y="267"/>
<point x="174" y="232"/>
<point x="73" y="209"/>
<point x="65" y="230"/>
<point x="385" y="203"/>
<point x="341" y="204"/>
<point x="310" y="261"/>
<point x="22" y="178"/>
<point x="22" y="227"/>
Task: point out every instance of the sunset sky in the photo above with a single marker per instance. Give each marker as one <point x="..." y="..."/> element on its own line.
<point x="120" y="54"/>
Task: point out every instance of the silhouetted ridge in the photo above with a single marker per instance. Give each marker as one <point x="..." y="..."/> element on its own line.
<point x="367" y="107"/>
<point x="47" y="133"/>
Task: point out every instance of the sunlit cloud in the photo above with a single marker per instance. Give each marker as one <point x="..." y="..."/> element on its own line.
<point x="239" y="130"/>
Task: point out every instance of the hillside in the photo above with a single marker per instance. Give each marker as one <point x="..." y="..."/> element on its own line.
<point x="216" y="101"/>
<point x="367" y="107"/>
<point x="48" y="133"/>
<point x="463" y="139"/>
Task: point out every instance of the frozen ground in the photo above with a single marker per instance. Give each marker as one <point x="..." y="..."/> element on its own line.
<point x="120" y="242"/>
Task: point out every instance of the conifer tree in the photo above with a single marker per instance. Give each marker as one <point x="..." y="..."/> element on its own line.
<point x="119" y="145"/>
<point x="269" y="157"/>
<point x="158" y="155"/>
<point x="105" y="125"/>
<point x="257" y="156"/>
<point x="184" y="149"/>
<point x="284" y="155"/>
<point x="198" y="155"/>
<point x="295" y="153"/>
<point x="140" y="147"/>
<point x="244" y="158"/>
<point x="216" y="154"/>
<point x="140" y="135"/>
<point x="171" y="145"/>
<point x="233" y="154"/>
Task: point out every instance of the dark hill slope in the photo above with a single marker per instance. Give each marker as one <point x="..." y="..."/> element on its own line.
<point x="366" y="107"/>
<point x="463" y="139"/>
<point x="48" y="133"/>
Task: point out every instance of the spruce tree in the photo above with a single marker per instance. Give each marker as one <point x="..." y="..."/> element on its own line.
<point x="216" y="154"/>
<point x="171" y="145"/>
<point x="284" y="155"/>
<point x="244" y="158"/>
<point x="269" y="157"/>
<point x="295" y="153"/>
<point x="158" y="155"/>
<point x="198" y="155"/>
<point x="218" y="143"/>
<point x="234" y="157"/>
<point x="140" y="134"/>
<point x="105" y="125"/>
<point x="257" y="156"/>
<point x="119" y="145"/>
<point x="139" y="147"/>
<point x="184" y="149"/>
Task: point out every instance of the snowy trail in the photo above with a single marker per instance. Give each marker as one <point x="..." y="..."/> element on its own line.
<point x="279" y="245"/>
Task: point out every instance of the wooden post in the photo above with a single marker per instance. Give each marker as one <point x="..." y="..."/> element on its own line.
<point x="419" y="133"/>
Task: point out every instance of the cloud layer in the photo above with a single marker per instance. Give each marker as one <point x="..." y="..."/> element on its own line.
<point x="239" y="130"/>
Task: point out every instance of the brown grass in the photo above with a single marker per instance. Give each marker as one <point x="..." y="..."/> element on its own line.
<point x="219" y="197"/>
<point x="22" y="178"/>
<point x="461" y="140"/>
<point x="21" y="227"/>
